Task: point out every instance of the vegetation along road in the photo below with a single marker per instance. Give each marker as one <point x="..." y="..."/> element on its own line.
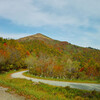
<point x="84" y="86"/>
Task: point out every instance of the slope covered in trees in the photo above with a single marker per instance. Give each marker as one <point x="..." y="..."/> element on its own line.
<point x="12" y="55"/>
<point x="47" y="57"/>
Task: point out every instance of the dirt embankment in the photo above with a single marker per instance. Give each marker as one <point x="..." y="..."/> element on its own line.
<point x="7" y="96"/>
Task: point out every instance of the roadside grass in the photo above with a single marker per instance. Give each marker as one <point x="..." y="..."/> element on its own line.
<point x="65" y="80"/>
<point x="41" y="91"/>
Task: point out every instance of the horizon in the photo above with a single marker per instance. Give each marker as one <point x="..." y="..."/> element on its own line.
<point x="76" y="22"/>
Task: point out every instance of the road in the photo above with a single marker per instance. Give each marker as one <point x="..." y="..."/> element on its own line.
<point x="84" y="86"/>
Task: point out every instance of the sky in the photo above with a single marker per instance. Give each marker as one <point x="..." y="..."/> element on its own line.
<point x="75" y="21"/>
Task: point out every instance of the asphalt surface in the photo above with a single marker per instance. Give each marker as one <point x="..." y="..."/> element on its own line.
<point x="84" y="86"/>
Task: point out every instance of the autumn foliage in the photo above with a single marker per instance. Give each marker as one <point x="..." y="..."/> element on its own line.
<point x="50" y="58"/>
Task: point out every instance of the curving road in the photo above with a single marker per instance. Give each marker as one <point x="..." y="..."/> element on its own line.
<point x="84" y="86"/>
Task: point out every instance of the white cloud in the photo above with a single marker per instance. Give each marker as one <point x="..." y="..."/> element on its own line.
<point x="90" y="7"/>
<point x="31" y="13"/>
<point x="56" y="4"/>
<point x="25" y="12"/>
<point x="56" y="13"/>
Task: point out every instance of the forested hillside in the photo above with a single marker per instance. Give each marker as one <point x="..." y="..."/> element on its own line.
<point x="50" y="58"/>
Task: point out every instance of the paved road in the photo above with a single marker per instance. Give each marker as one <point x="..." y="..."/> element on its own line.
<point x="7" y="96"/>
<point x="85" y="86"/>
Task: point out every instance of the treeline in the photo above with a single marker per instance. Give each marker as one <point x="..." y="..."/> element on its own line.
<point x="56" y="67"/>
<point x="63" y="60"/>
<point x="88" y="58"/>
<point x="12" y="55"/>
<point x="50" y="59"/>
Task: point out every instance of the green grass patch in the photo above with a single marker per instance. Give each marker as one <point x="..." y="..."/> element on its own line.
<point x="65" y="80"/>
<point x="41" y="91"/>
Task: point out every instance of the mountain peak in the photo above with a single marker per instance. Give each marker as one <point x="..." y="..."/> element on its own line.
<point x="37" y="36"/>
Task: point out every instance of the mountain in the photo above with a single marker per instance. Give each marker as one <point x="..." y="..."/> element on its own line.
<point x="85" y="62"/>
<point x="65" y="58"/>
<point x="62" y="46"/>
<point x="37" y="36"/>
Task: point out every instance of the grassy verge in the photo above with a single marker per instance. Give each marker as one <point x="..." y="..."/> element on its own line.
<point x="55" y="79"/>
<point x="40" y="91"/>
